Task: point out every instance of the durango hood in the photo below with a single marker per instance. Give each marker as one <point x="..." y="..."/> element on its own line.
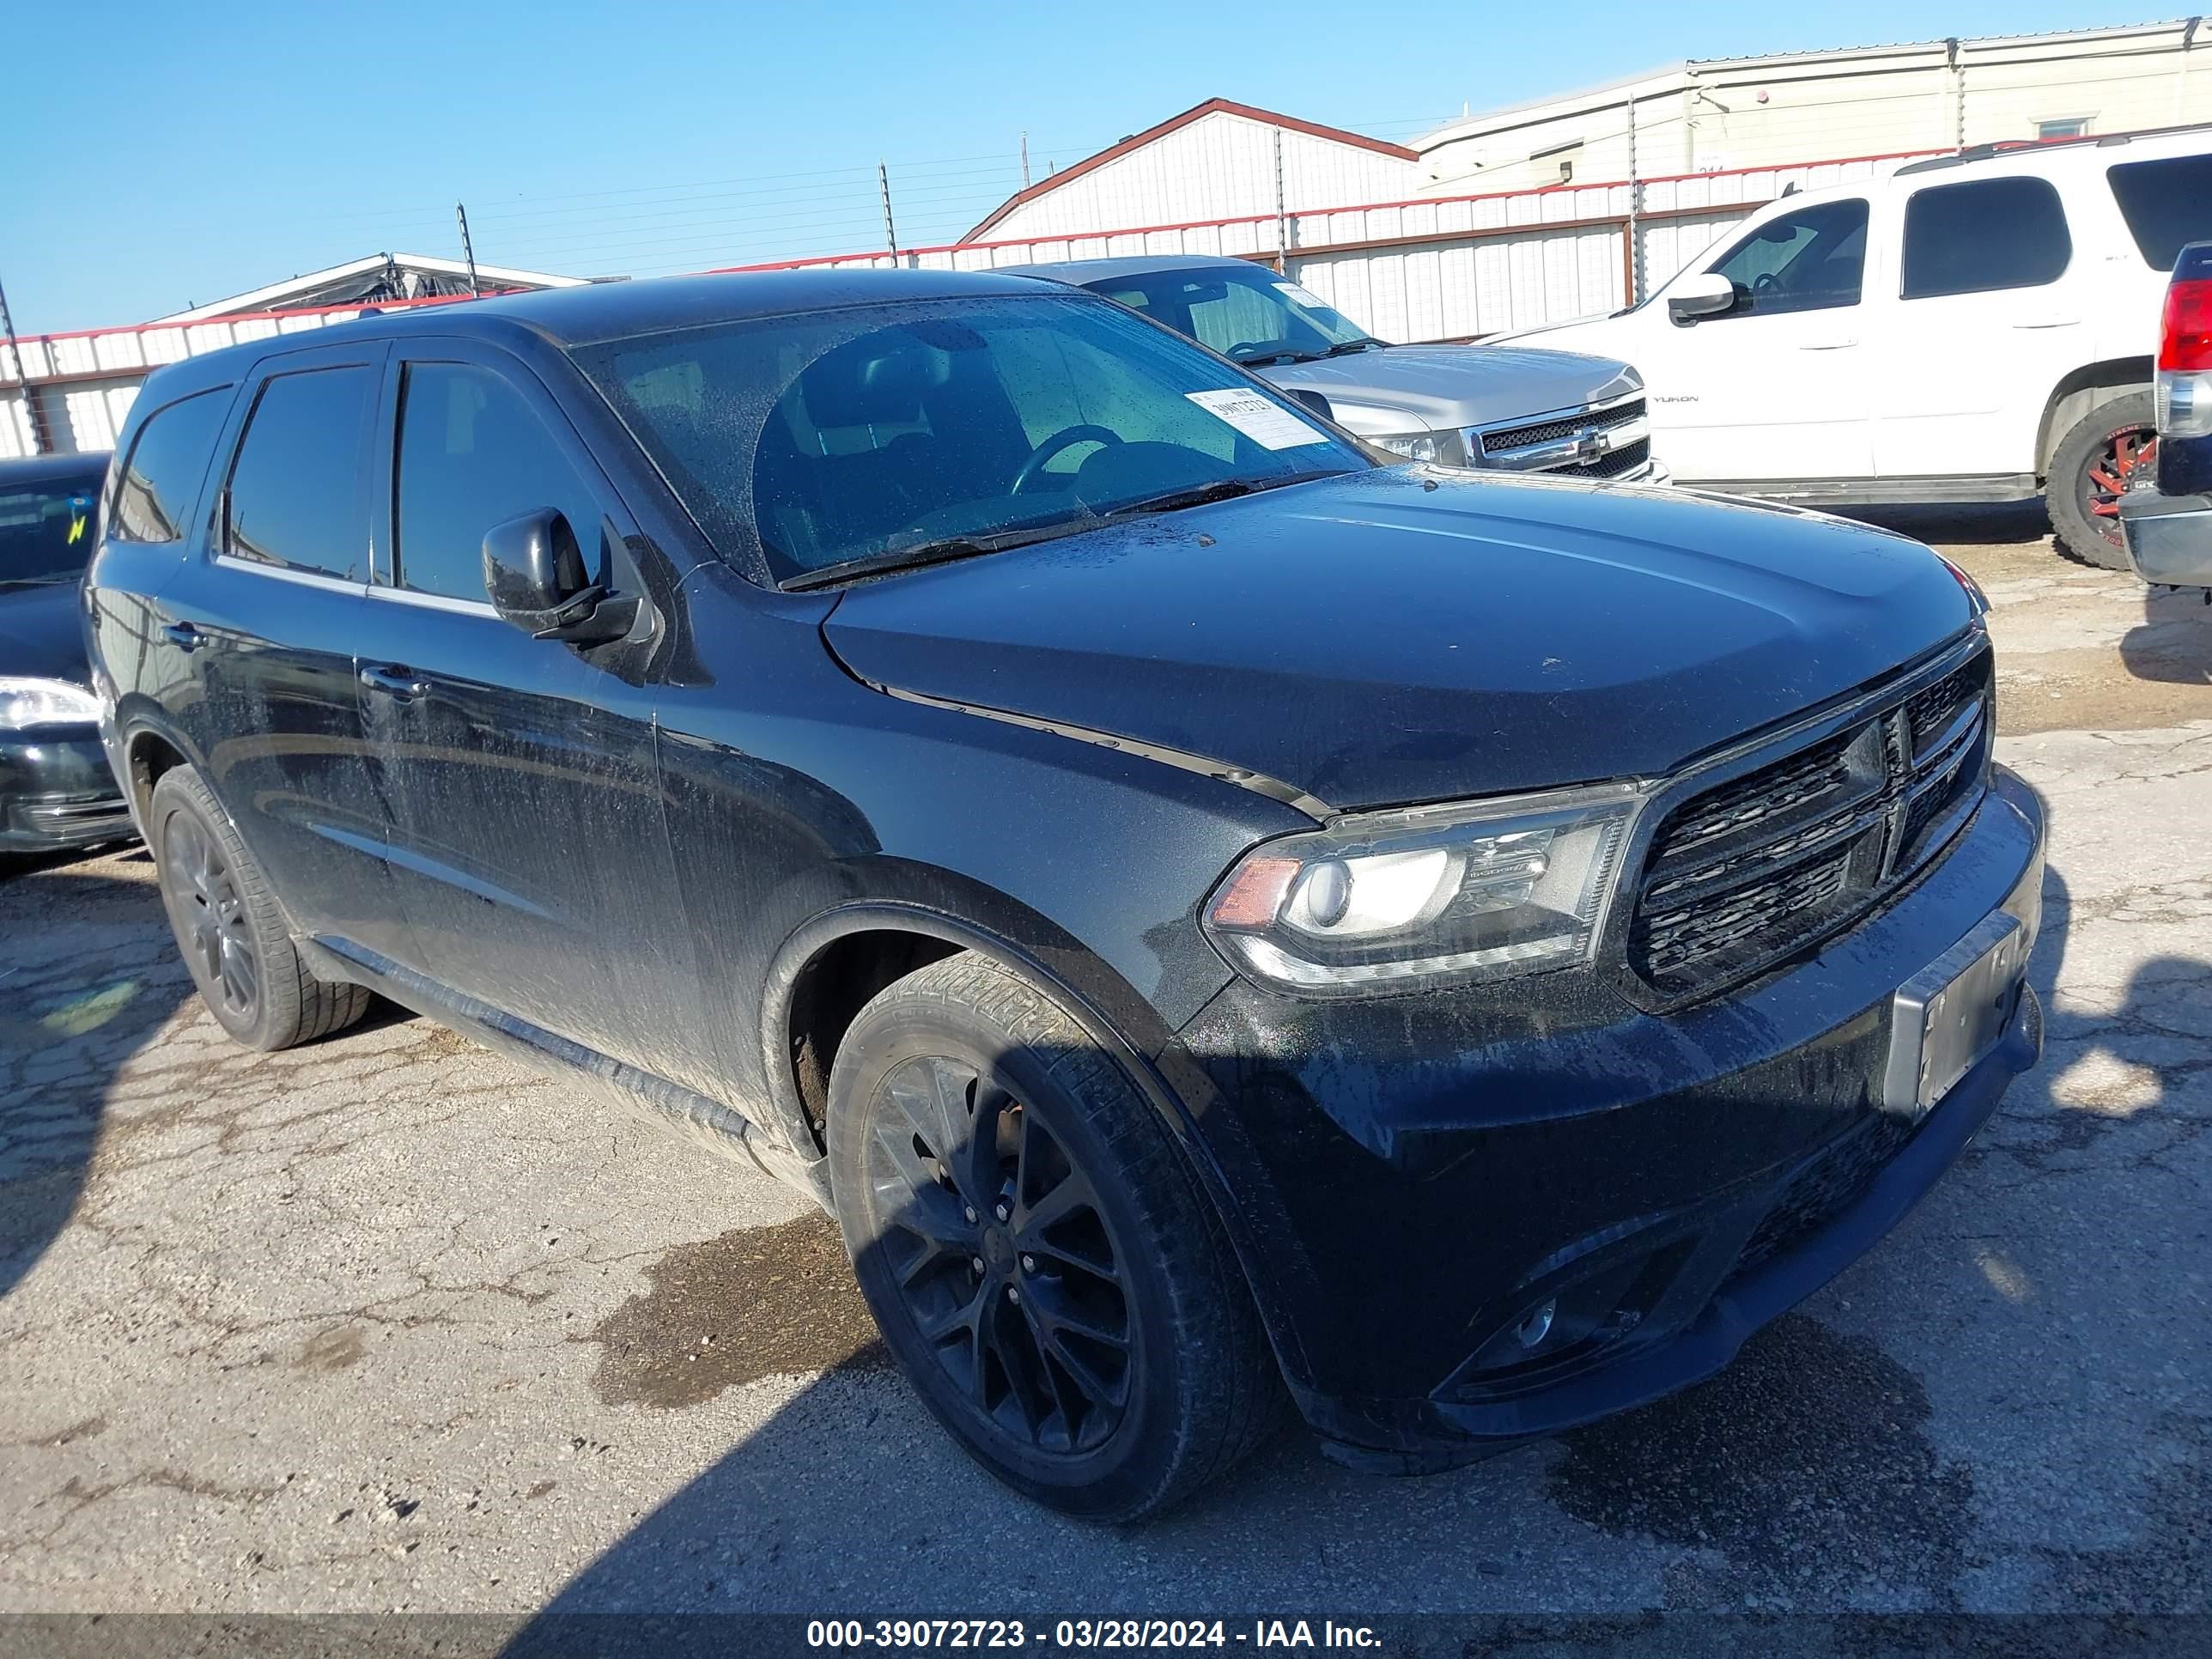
<point x="1402" y="635"/>
<point x="1445" y="386"/>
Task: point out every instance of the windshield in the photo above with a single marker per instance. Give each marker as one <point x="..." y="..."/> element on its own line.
<point x="1241" y="311"/>
<point x="46" y="527"/>
<point x="885" y="432"/>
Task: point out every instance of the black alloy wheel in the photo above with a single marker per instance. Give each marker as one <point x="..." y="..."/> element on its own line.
<point x="210" y="916"/>
<point x="229" y="927"/>
<point x="1037" y="1249"/>
<point x="1001" y="1256"/>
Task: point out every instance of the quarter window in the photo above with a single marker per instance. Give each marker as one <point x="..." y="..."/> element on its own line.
<point x="473" y="454"/>
<point x="155" y="492"/>
<point x="1987" y="234"/>
<point x="295" y="491"/>
<point x="2168" y="204"/>
<point x="1813" y="260"/>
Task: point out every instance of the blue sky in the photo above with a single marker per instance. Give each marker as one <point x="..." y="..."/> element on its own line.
<point x="162" y="156"/>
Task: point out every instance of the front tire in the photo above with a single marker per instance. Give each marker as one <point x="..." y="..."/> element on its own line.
<point x="2095" y="462"/>
<point x="229" y="928"/>
<point x="1036" y="1250"/>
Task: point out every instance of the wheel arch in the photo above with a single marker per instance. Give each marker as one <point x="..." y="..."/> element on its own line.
<point x="2079" y="393"/>
<point x="150" y="747"/>
<point x="1109" y="1011"/>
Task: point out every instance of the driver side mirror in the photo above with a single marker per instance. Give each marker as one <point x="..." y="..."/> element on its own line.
<point x="1707" y="295"/>
<point x="535" y="576"/>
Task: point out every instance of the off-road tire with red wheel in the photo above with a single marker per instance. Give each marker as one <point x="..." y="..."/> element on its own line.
<point x="1038" y="1250"/>
<point x="2090" y="469"/>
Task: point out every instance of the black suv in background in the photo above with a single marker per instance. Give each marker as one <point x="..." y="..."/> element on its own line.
<point x="56" y="790"/>
<point x="1205" y="913"/>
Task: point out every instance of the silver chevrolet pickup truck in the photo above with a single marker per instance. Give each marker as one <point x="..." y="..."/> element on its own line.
<point x="1517" y="409"/>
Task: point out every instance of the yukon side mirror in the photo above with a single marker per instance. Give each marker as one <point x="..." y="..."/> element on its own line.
<point x="534" y="574"/>
<point x="1707" y="295"/>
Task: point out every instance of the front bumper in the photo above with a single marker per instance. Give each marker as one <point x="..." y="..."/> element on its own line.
<point x="2168" y="537"/>
<point x="1416" y="1176"/>
<point x="56" y="792"/>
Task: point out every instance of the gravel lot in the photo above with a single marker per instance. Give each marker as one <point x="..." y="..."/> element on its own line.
<point x="391" y="1323"/>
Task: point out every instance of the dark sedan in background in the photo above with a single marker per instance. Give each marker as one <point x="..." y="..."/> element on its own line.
<point x="56" y="790"/>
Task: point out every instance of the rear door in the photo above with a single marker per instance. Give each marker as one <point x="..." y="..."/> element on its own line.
<point x="262" y="627"/>
<point x="1986" y="321"/>
<point x="1775" y="387"/>
<point x="530" y="854"/>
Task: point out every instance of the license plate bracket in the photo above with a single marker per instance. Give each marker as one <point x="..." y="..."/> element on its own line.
<point x="1951" y="1013"/>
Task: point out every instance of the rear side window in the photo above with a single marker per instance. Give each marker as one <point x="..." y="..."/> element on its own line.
<point x="2168" y="204"/>
<point x="472" y="454"/>
<point x="295" y="492"/>
<point x="156" y="488"/>
<point x="1983" y="235"/>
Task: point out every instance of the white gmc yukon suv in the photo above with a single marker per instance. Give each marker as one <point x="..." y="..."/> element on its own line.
<point x="1978" y="327"/>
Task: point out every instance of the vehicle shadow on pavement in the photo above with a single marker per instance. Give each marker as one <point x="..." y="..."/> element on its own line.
<point x="2173" y="642"/>
<point x="1821" y="1470"/>
<point x="87" y="978"/>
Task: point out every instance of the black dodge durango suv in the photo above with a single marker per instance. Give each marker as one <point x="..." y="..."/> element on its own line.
<point x="1220" y="923"/>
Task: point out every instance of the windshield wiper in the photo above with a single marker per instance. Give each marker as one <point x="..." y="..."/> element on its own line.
<point x="35" y="581"/>
<point x="1221" y="490"/>
<point x="1365" y="342"/>
<point x="1286" y="355"/>
<point x="941" y="551"/>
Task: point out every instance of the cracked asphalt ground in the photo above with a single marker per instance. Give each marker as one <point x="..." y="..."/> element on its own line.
<point x="391" y="1323"/>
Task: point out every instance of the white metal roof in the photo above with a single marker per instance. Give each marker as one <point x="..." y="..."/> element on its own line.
<point x="294" y="290"/>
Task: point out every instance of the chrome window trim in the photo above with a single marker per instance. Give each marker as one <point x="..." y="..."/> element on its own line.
<point x="285" y="573"/>
<point x="433" y="601"/>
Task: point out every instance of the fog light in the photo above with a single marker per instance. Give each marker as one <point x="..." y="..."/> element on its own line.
<point x="1531" y="1331"/>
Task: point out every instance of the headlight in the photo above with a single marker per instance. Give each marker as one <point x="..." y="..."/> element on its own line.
<point x="1393" y="901"/>
<point x="44" y="702"/>
<point x="1444" y="449"/>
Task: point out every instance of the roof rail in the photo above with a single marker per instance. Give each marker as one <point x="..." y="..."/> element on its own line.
<point x="2013" y="146"/>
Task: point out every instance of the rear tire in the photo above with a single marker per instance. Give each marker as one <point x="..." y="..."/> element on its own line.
<point x="1037" y="1250"/>
<point x="2090" y="471"/>
<point x="229" y="928"/>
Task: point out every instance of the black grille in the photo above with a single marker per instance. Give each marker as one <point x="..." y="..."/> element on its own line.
<point x="1820" y="1191"/>
<point x="1769" y="863"/>
<point x="1625" y="459"/>
<point x="1548" y="432"/>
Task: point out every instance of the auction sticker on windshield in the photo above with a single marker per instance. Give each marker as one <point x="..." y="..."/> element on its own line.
<point x="1266" y="423"/>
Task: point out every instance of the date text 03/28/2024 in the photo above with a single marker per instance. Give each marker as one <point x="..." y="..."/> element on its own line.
<point x="1085" y="1633"/>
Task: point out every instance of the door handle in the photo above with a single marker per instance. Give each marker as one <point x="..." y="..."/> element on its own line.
<point x="183" y="635"/>
<point x="395" y="682"/>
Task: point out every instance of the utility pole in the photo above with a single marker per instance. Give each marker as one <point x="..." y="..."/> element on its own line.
<point x="39" y="446"/>
<point x="468" y="252"/>
<point x="890" y="235"/>
<point x="1282" y="212"/>
<point x="1025" y="161"/>
<point x="1635" y="261"/>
